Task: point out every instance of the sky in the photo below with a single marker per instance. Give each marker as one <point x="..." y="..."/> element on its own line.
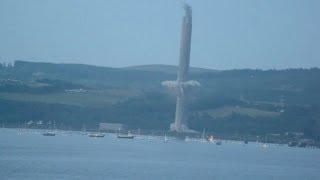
<point x="226" y="34"/>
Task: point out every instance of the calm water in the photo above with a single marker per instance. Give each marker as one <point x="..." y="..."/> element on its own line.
<point x="33" y="156"/>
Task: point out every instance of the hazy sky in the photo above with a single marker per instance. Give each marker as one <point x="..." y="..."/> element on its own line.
<point x="227" y="34"/>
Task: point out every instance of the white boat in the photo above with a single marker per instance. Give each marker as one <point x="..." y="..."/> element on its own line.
<point x="84" y="132"/>
<point x="264" y="145"/>
<point x="125" y="136"/>
<point x="165" y="139"/>
<point x="97" y="135"/>
<point x="187" y="139"/>
<point x="211" y="139"/>
<point x="203" y="139"/>
<point x="49" y="133"/>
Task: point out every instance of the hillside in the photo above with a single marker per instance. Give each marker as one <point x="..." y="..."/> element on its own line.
<point x="170" y="69"/>
<point x="94" y="76"/>
<point x="244" y="102"/>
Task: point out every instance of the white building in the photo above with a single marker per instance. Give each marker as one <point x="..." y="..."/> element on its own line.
<point x="112" y="127"/>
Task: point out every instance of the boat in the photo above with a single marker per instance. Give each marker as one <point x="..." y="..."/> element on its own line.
<point x="302" y="144"/>
<point x="187" y="139"/>
<point x="211" y="139"/>
<point x="125" y="136"/>
<point x="49" y="133"/>
<point x="265" y="145"/>
<point x="84" y="132"/>
<point x="97" y="135"/>
<point x="218" y="142"/>
<point x="203" y="139"/>
<point x="292" y="143"/>
<point x="165" y="139"/>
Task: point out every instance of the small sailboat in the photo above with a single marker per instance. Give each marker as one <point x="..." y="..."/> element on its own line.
<point x="51" y="132"/>
<point x="203" y="139"/>
<point x="211" y="139"/>
<point x="84" y="132"/>
<point x="165" y="139"/>
<point x="96" y="134"/>
<point x="187" y="138"/>
<point x="265" y="145"/>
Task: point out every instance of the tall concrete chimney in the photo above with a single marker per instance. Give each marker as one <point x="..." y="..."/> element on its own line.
<point x="182" y="84"/>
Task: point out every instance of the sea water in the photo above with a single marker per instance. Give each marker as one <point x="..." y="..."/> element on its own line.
<point x="74" y="156"/>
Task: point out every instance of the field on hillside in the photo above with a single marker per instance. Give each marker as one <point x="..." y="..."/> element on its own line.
<point x="226" y="111"/>
<point x="88" y="98"/>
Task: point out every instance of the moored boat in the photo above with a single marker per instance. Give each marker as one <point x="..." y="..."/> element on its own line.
<point x="218" y="142"/>
<point x="96" y="135"/>
<point x="49" y="133"/>
<point x="292" y="143"/>
<point x="125" y="136"/>
<point x="165" y="139"/>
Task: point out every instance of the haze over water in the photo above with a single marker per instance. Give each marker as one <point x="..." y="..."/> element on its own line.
<point x="33" y="156"/>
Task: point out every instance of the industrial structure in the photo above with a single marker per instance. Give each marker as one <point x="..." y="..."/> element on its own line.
<point x="112" y="127"/>
<point x="182" y="85"/>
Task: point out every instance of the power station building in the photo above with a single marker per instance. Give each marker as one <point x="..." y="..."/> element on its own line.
<point x="112" y="127"/>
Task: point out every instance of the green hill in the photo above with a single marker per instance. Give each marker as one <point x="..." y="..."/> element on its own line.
<point x="247" y="102"/>
<point x="170" y="69"/>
